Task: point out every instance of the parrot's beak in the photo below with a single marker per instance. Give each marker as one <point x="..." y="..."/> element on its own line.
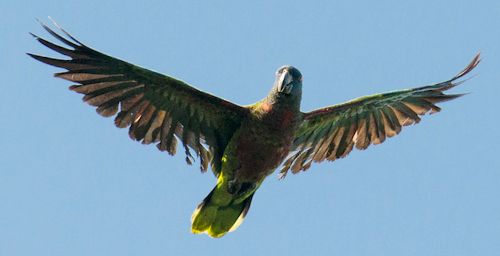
<point x="285" y="84"/>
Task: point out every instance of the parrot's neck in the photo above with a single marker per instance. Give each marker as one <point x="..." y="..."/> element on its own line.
<point x="276" y="104"/>
<point x="279" y="112"/>
<point x="278" y="101"/>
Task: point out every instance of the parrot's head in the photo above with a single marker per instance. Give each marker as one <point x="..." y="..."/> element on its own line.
<point x="288" y="82"/>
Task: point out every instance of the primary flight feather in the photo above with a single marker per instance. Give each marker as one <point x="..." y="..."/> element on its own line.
<point x="242" y="144"/>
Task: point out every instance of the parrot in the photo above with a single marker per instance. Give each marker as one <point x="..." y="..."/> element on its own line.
<point x="242" y="145"/>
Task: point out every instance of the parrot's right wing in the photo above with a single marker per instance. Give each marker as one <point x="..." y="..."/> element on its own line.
<point x="331" y="132"/>
<point x="157" y="108"/>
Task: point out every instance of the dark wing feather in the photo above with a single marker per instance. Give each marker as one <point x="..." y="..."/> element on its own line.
<point x="332" y="132"/>
<point x="156" y="108"/>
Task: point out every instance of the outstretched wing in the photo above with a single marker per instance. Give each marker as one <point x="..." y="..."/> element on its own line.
<point x="331" y="133"/>
<point x="157" y="108"/>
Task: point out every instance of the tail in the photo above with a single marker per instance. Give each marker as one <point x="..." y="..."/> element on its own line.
<point x="219" y="213"/>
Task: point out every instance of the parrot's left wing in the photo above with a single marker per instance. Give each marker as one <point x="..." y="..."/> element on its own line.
<point x="331" y="133"/>
<point x="157" y="108"/>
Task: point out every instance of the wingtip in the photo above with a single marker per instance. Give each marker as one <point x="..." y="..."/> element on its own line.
<point x="64" y="31"/>
<point x="477" y="59"/>
<point x="33" y="35"/>
<point x="32" y="55"/>
<point x="473" y="64"/>
<point x="43" y="24"/>
<point x="54" y="22"/>
<point x="68" y="40"/>
<point x="458" y="95"/>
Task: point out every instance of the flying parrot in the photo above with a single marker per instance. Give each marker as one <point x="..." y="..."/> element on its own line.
<point x="242" y="144"/>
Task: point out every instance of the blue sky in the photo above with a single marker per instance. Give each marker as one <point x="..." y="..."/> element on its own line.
<point x="73" y="184"/>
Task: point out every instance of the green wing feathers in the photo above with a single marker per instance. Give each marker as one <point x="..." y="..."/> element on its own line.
<point x="156" y="108"/>
<point x="332" y="132"/>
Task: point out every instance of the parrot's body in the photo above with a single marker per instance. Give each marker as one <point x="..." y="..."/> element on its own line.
<point x="255" y="150"/>
<point x="242" y="144"/>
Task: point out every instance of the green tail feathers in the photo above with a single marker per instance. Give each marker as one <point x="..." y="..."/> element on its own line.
<point x="219" y="213"/>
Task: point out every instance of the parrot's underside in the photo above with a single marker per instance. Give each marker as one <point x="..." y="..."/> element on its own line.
<point x="242" y="144"/>
<point x="255" y="151"/>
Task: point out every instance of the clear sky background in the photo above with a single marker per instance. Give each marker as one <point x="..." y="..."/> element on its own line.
<point x="73" y="184"/>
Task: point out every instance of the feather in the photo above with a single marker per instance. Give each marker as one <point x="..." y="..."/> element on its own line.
<point x="442" y="98"/>
<point x="165" y="127"/>
<point x="322" y="147"/>
<point x="380" y="126"/>
<point x="372" y="130"/>
<point x="67" y="64"/>
<point x="334" y="144"/>
<point x="107" y="109"/>
<point x="58" y="37"/>
<point x="142" y="123"/>
<point x="96" y="100"/>
<point x="91" y="88"/>
<point x="361" y="138"/>
<point x="153" y="131"/>
<point x="134" y="117"/>
<point x="82" y="77"/>
<point x="126" y="116"/>
<point x="417" y="108"/>
<point x="60" y="49"/>
<point x="171" y="141"/>
<point x="131" y="101"/>
<point x="414" y="118"/>
<point x="392" y="120"/>
<point x="347" y="144"/>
